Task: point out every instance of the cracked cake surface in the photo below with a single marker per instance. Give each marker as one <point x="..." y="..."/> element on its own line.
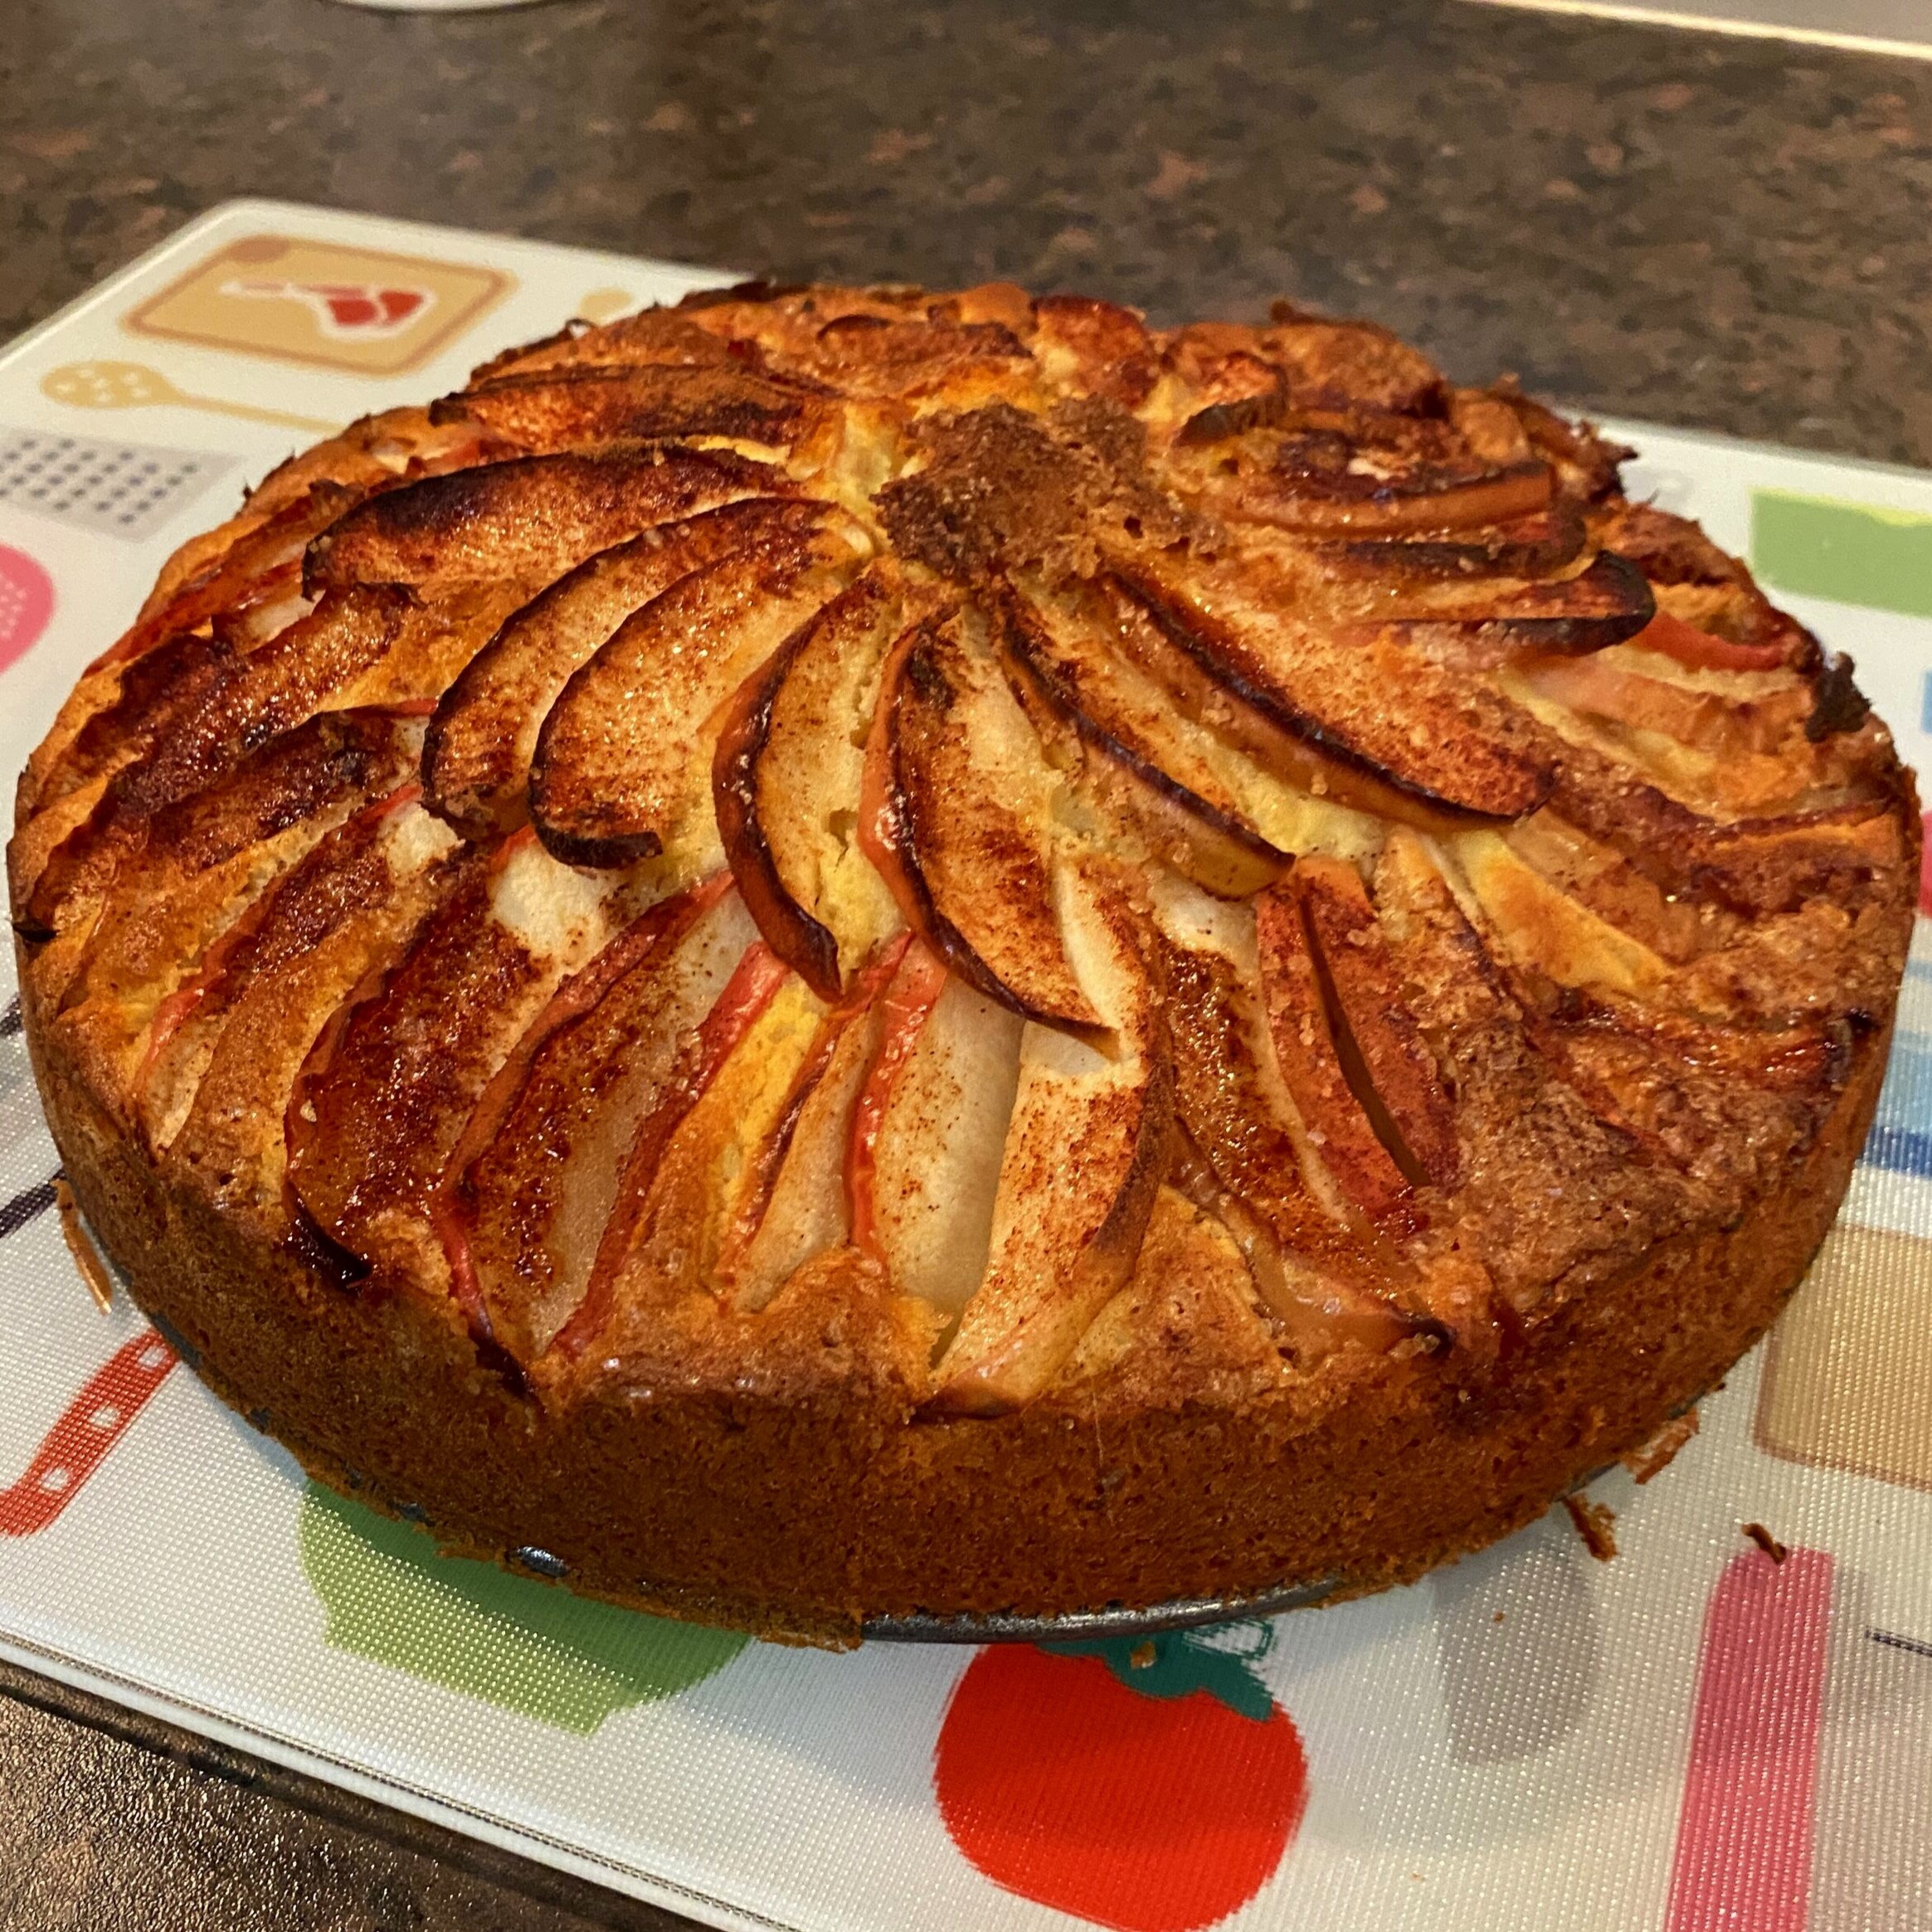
<point x="834" y="953"/>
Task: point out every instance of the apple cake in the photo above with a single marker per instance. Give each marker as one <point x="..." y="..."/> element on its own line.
<point x="837" y="954"/>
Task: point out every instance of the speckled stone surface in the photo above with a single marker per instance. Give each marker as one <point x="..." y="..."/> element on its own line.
<point x="1725" y="234"/>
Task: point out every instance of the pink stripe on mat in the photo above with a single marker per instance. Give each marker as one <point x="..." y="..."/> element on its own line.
<point x="1743" y="1861"/>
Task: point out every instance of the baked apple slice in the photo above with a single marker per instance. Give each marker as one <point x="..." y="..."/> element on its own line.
<point x="1367" y="1165"/>
<point x="1596" y="875"/>
<point x="226" y="581"/>
<point x="1095" y="348"/>
<point x="794" y="1200"/>
<point x="1249" y="1156"/>
<point x="391" y="1082"/>
<point x="622" y="762"/>
<point x="927" y="1130"/>
<point x="1379" y="728"/>
<point x="1350" y="1050"/>
<point x="1230" y="1096"/>
<point x="1762" y="719"/>
<point x="223" y="707"/>
<point x="1084" y="1151"/>
<point x="1536" y="545"/>
<point x="955" y="812"/>
<point x="657" y="403"/>
<point x="1157" y="770"/>
<point x="723" y="1094"/>
<point x="115" y="714"/>
<point x="223" y="1050"/>
<point x="252" y="698"/>
<point x="1604" y="603"/>
<point x="531" y="518"/>
<point x="1756" y="864"/>
<point x="1312" y="488"/>
<point x="476" y="763"/>
<point x="180" y="875"/>
<point x="1544" y="928"/>
<point x="788" y="765"/>
<point x="530" y="1187"/>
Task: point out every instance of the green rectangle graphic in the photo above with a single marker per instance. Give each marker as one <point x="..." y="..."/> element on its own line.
<point x="1849" y="553"/>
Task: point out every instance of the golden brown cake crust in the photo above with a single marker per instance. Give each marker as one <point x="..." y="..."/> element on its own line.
<point x="1220" y="1487"/>
<point x="837" y="954"/>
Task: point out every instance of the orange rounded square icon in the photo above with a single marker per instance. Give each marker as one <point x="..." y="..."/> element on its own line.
<point x="322" y="304"/>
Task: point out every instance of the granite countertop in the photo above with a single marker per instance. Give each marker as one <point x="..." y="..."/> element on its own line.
<point x="1728" y="235"/>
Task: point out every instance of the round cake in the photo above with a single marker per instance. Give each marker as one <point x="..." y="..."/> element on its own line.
<point x="844" y="955"/>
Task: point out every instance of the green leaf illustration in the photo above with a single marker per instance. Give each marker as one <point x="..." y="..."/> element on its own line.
<point x="1178" y="1662"/>
<point x="472" y="1628"/>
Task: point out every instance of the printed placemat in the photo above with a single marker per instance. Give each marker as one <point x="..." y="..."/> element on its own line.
<point x="1695" y="1736"/>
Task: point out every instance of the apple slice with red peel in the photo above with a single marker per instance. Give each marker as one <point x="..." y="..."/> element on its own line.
<point x="955" y="812"/>
<point x="1345" y="502"/>
<point x="1522" y="1129"/>
<point x="476" y="764"/>
<point x="1350" y="1050"/>
<point x="228" y="579"/>
<point x="622" y="762"/>
<point x="1701" y="650"/>
<point x="1084" y="1151"/>
<point x="927" y="1133"/>
<point x="117" y="714"/>
<point x="1200" y="697"/>
<point x="1332" y="1110"/>
<point x="224" y="1050"/>
<point x="206" y="992"/>
<point x="794" y="1200"/>
<point x="788" y="764"/>
<point x="918" y="978"/>
<point x="182" y="876"/>
<point x="386" y="1094"/>
<point x="1605" y="603"/>
<point x="1535" y="545"/>
<point x="661" y="402"/>
<point x="534" y="518"/>
<point x="252" y="699"/>
<point x="1230" y="1096"/>
<point x="527" y="1188"/>
<point x="1317" y="711"/>
<point x="698" y="1061"/>
<point x="1372" y="1025"/>
<point x="1140" y="756"/>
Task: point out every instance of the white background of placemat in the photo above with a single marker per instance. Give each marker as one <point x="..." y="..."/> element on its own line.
<point x="1504" y="1744"/>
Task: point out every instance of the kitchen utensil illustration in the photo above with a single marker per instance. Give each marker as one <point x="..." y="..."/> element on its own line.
<point x="107" y="488"/>
<point x="328" y="304"/>
<point x="135" y="386"/>
<point x="90" y="1426"/>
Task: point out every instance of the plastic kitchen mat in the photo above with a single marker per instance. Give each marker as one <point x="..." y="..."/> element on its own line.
<point x="1689" y="1738"/>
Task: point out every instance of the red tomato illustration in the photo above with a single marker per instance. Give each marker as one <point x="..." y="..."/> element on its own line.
<point x="1151" y="1786"/>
